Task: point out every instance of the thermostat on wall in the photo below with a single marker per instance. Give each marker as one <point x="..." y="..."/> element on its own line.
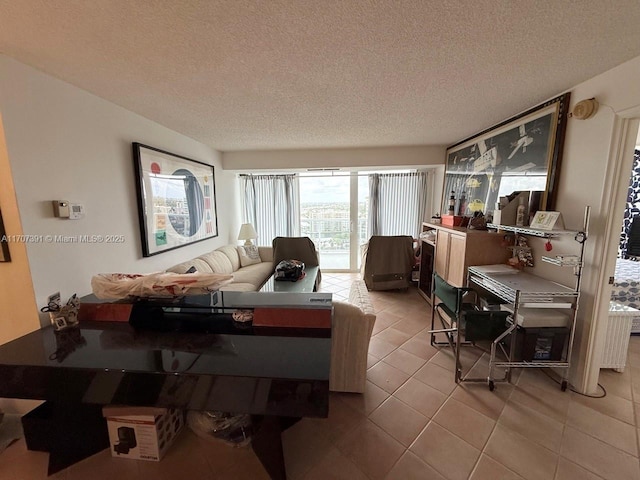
<point x="76" y="211"/>
<point x="65" y="209"/>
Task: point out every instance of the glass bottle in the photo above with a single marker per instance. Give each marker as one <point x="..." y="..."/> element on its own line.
<point x="520" y="213"/>
<point x="452" y="203"/>
<point x="462" y="206"/>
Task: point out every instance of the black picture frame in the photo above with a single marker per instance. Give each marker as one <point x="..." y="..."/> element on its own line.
<point x="5" y="255"/>
<point x="522" y="153"/>
<point x="176" y="199"/>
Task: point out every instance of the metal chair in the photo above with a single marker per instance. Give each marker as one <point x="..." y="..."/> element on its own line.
<point x="465" y="324"/>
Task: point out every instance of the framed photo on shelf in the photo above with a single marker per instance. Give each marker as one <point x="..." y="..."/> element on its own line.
<point x="176" y="200"/>
<point x="522" y="153"/>
<point x="547" y="221"/>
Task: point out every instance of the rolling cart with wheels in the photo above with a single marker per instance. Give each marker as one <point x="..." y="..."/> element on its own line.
<point x="533" y="347"/>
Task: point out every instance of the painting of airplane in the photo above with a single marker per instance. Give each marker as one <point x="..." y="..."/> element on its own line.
<point x="488" y="157"/>
<point x="524" y="141"/>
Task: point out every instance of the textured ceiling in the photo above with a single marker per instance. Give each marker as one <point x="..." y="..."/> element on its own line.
<point x="240" y="75"/>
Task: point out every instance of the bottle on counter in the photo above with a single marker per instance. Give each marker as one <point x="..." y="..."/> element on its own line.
<point x="462" y="206"/>
<point x="452" y="203"/>
<point x="520" y="213"/>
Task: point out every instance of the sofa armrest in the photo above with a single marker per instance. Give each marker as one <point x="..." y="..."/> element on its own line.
<point x="352" y="327"/>
<point x="266" y="254"/>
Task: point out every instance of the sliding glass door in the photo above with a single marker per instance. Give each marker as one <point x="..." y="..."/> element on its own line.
<point x="334" y="209"/>
<point x="325" y="214"/>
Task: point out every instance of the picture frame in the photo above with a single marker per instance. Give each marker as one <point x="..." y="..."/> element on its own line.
<point x="544" y="220"/>
<point x="5" y="255"/>
<point x="176" y="199"/>
<point x="523" y="153"/>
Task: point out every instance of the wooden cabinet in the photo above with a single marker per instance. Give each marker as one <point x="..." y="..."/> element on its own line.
<point x="458" y="248"/>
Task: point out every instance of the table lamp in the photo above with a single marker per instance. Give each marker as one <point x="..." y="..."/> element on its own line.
<point x="247" y="233"/>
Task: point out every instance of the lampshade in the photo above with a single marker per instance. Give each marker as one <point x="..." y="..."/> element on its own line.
<point x="247" y="233"/>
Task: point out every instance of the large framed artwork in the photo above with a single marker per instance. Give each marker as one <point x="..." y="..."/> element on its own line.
<point x="4" y="243"/>
<point x="522" y="153"/>
<point x="176" y="200"/>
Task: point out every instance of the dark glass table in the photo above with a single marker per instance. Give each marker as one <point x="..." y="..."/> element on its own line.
<point x="277" y="377"/>
<point x="304" y="285"/>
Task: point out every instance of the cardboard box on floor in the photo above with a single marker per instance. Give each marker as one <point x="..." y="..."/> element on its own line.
<point x="142" y="433"/>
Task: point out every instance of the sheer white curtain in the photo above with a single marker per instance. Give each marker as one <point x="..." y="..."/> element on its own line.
<point x="271" y="205"/>
<point x="397" y="203"/>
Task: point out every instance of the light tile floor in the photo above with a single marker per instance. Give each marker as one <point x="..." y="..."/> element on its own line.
<point x="414" y="422"/>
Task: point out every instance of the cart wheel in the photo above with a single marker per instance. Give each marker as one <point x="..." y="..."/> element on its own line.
<point x="491" y="385"/>
<point x="563" y="386"/>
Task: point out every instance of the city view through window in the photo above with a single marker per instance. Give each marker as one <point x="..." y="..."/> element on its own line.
<point x="329" y="207"/>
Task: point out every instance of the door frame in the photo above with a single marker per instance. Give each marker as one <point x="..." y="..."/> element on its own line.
<point x="619" y="163"/>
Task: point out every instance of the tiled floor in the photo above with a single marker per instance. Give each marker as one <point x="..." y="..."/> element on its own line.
<point x="414" y="422"/>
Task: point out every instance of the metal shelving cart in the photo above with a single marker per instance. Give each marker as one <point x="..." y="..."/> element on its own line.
<point x="523" y="290"/>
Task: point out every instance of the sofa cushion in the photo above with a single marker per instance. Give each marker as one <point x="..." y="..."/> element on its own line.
<point x="199" y="264"/>
<point x="232" y="254"/>
<point x="248" y="255"/>
<point x="266" y="253"/>
<point x="255" y="274"/>
<point x="238" y="287"/>
<point x="217" y="261"/>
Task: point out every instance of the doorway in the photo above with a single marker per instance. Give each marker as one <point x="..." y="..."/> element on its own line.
<point x="624" y="140"/>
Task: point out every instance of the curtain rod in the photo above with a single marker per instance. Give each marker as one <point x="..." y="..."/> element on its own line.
<point x="329" y="174"/>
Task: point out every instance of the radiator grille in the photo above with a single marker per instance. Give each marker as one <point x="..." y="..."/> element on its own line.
<point x="619" y="326"/>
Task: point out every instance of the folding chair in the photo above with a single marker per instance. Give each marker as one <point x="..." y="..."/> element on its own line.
<point x="465" y="321"/>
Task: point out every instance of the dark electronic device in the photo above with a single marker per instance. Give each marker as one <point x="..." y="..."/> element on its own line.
<point x="126" y="440"/>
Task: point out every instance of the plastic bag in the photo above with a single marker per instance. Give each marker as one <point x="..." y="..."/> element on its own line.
<point x="477" y="222"/>
<point x="290" y="270"/>
<point x="122" y="285"/>
<point x="230" y="428"/>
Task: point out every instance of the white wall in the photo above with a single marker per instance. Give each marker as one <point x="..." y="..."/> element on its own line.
<point x="65" y="143"/>
<point x="585" y="179"/>
<point x="375" y="158"/>
<point x="412" y="156"/>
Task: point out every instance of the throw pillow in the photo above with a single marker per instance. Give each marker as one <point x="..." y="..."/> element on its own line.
<point x="248" y="255"/>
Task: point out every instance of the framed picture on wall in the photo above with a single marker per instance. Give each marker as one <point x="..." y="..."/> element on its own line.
<point x="176" y="200"/>
<point x="4" y="243"/>
<point x="522" y="153"/>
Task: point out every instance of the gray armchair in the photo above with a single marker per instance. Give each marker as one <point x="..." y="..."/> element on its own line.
<point x="388" y="262"/>
<point x="296" y="248"/>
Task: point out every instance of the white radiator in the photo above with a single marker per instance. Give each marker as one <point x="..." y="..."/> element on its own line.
<point x="618" y="332"/>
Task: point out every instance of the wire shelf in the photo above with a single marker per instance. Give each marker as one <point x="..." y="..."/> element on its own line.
<point x="560" y="263"/>
<point x="531" y="231"/>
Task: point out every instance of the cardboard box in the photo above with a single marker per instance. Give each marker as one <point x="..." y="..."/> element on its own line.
<point x="142" y="433"/>
<point x="454" y="221"/>
<point x="507" y="213"/>
<point x="534" y="344"/>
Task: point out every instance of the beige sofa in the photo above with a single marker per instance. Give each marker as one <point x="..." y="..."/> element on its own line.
<point x="352" y="326"/>
<point x="227" y="261"/>
<point x="352" y="322"/>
